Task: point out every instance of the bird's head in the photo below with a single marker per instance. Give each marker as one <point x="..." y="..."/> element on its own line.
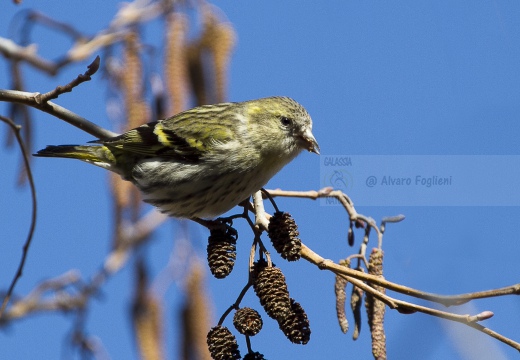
<point x="285" y="125"/>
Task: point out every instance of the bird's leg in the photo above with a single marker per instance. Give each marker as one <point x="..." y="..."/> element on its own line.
<point x="210" y="224"/>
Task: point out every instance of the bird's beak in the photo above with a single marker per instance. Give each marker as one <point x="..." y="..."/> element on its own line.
<point x="310" y="142"/>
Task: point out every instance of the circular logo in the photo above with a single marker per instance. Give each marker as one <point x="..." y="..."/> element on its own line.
<point x="339" y="179"/>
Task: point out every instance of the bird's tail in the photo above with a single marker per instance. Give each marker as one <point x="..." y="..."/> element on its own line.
<point x="97" y="155"/>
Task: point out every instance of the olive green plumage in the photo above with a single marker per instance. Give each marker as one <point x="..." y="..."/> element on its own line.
<point x="203" y="161"/>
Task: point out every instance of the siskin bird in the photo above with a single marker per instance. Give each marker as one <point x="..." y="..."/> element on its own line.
<point x="203" y="161"/>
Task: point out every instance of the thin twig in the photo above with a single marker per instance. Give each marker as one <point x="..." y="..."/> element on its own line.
<point x="406" y="307"/>
<point x="267" y="195"/>
<point x="34" y="301"/>
<point x="135" y="233"/>
<point x="53" y="94"/>
<point x="236" y="304"/>
<point x="343" y="198"/>
<point x="51" y="23"/>
<point x="446" y="300"/>
<point x="26" y="98"/>
<point x="11" y="50"/>
<point x="16" y="129"/>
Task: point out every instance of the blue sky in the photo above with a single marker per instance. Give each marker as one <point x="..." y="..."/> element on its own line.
<point x="378" y="78"/>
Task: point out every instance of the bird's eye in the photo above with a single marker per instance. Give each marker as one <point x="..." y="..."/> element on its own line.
<point x="285" y="121"/>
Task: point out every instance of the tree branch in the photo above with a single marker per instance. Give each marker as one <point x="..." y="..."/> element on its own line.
<point x="16" y="130"/>
<point x="30" y="99"/>
<point x="10" y="50"/>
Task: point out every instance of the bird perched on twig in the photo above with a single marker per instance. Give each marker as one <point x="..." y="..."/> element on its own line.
<point x="204" y="161"/>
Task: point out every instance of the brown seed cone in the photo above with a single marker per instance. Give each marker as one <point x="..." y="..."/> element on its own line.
<point x="254" y="356"/>
<point x="257" y="267"/>
<point x="376" y="308"/>
<point x="222" y="250"/>
<point x="283" y="233"/>
<point x="222" y="344"/>
<point x="295" y="324"/>
<point x="247" y="321"/>
<point x="271" y="289"/>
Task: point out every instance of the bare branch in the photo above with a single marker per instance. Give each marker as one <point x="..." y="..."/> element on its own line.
<point x="53" y="94"/>
<point x="10" y="50"/>
<point x="406" y="307"/>
<point x="26" y="98"/>
<point x="16" y="130"/>
<point x="446" y="300"/>
<point x="59" y="26"/>
<point x="35" y="302"/>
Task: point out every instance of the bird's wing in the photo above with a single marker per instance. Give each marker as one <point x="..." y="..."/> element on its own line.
<point x="171" y="138"/>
